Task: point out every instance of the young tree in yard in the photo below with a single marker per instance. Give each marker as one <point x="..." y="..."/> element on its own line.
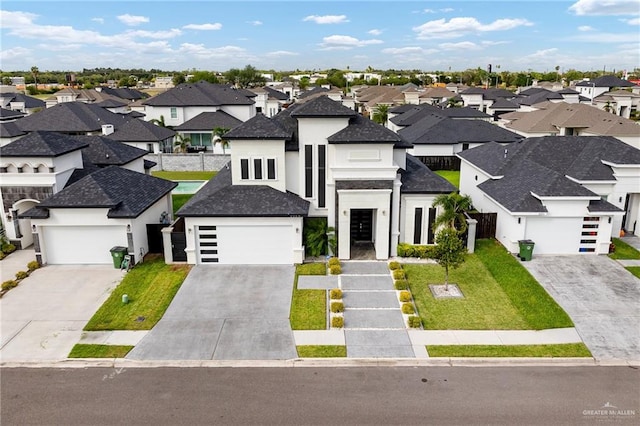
<point x="453" y="207"/>
<point x="450" y="252"/>
<point x="381" y="114"/>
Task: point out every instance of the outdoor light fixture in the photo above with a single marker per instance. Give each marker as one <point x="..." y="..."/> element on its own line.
<point x="344" y="212"/>
<point x="128" y="228"/>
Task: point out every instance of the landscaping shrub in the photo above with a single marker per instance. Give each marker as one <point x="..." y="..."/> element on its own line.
<point x="21" y="275"/>
<point x="408" y="309"/>
<point x="405" y="296"/>
<point x="399" y="274"/>
<point x="333" y="261"/>
<point x="337" y="307"/>
<point x="335" y="270"/>
<point x="2" y="255"/>
<point x="8" y="248"/>
<point x="414" y="250"/>
<point x="394" y="265"/>
<point x="335" y="293"/>
<point x="414" y="321"/>
<point x="9" y="284"/>
<point x="337" y="322"/>
<point x="401" y="284"/>
<point x="33" y="265"/>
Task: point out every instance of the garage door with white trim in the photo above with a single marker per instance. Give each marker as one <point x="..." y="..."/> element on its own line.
<point x="76" y="245"/>
<point x="245" y="244"/>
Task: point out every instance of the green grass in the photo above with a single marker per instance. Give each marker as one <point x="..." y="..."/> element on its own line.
<point x="179" y="200"/>
<point x="453" y="176"/>
<point x="99" y="351"/>
<point x="309" y="307"/>
<point x="150" y="286"/>
<point x="567" y="350"/>
<point x="533" y="303"/>
<point x="322" y="351"/>
<point x="189" y="175"/>
<point x="635" y="270"/>
<point x="623" y="250"/>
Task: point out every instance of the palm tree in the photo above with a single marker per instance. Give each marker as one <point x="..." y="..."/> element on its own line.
<point x="381" y="114"/>
<point x="181" y="142"/>
<point x="218" y="132"/>
<point x="158" y="121"/>
<point x="453" y="207"/>
<point x="35" y="71"/>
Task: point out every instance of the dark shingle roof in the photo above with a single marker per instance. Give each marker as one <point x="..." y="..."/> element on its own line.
<point x="363" y="130"/>
<point x="258" y="127"/>
<point x="273" y="93"/>
<point x="322" y="106"/>
<point x="111" y="103"/>
<point x="29" y="101"/>
<point x="503" y="103"/>
<point x="419" y="179"/>
<point x="10" y="129"/>
<point x="42" y="144"/>
<point x="607" y="81"/>
<point x="7" y="114"/>
<point x="136" y="130"/>
<point x="208" y="121"/>
<point x="201" y="94"/>
<point x="435" y="129"/>
<point x="71" y="117"/>
<point x="219" y="198"/>
<point x="464" y="112"/>
<point x="125" y="93"/>
<point x="103" y="151"/>
<point x="311" y="92"/>
<point x="126" y="193"/>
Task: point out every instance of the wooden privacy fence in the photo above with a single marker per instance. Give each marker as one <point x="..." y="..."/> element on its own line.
<point x="486" y="227"/>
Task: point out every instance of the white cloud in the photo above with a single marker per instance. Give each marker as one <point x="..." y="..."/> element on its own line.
<point x="174" y="32"/>
<point x="280" y="53"/>
<point x="203" y="27"/>
<point x="595" y="37"/>
<point x="60" y="47"/>
<point x="457" y="27"/>
<point x="585" y="28"/>
<point x="327" y="19"/>
<point x="443" y="10"/>
<point x="447" y="9"/>
<point x="98" y="20"/>
<point x="14" y="53"/>
<point x="200" y="51"/>
<point x="255" y="23"/>
<point x="10" y="19"/>
<point x="634" y="21"/>
<point x="343" y="42"/>
<point x="605" y="7"/>
<point x="542" y="54"/>
<point x="375" y="32"/>
<point x="132" y="20"/>
<point x="463" y="45"/>
<point x="402" y="50"/>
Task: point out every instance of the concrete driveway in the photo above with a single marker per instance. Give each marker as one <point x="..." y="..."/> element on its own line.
<point x="226" y="312"/>
<point x="42" y="318"/>
<point x="600" y="296"/>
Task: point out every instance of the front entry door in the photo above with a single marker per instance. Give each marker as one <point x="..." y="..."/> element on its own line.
<point x="361" y="225"/>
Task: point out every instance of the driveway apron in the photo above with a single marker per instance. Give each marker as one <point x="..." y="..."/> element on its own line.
<point x="226" y="312"/>
<point x="600" y="296"/>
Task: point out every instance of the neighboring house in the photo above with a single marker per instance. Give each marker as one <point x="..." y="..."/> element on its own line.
<point x="94" y="96"/>
<point x="269" y="101"/>
<point x="314" y="159"/>
<point x="7" y="115"/>
<point x="619" y="102"/>
<point x="144" y="135"/>
<point x="21" y="103"/>
<point x="592" y="89"/>
<point x="482" y="99"/>
<point x="187" y="100"/>
<point x="563" y="119"/>
<point x="9" y="132"/>
<point x="200" y="128"/>
<point x="567" y="194"/>
<point x="435" y="95"/>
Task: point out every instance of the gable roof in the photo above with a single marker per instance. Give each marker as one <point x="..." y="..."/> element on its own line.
<point x="127" y="194"/>
<point x="209" y="121"/>
<point x="7" y="114"/>
<point x="606" y="81"/>
<point x="258" y="127"/>
<point x="42" y="144"/>
<point x="10" y="129"/>
<point x="219" y="198"/>
<point x="71" y="117"/>
<point x="124" y="93"/>
<point x="29" y="101"/>
<point x="201" y="94"/>
<point x="136" y="130"/>
<point x="103" y="151"/>
<point x="322" y="106"/>
<point x="363" y="130"/>
<point x="419" y="179"/>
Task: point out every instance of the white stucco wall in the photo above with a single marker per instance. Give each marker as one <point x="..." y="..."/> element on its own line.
<point x="427" y="150"/>
<point x="291" y="171"/>
<point x="407" y="216"/>
<point x="262" y="149"/>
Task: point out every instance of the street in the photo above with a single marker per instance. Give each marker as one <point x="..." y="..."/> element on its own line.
<point x="296" y="396"/>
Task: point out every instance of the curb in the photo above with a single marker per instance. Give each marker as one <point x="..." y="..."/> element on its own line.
<point x="119" y="363"/>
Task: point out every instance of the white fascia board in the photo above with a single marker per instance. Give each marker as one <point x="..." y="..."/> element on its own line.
<point x="512" y="212"/>
<point x="492" y="177"/>
<point x="565" y="198"/>
<point x="622" y="166"/>
<point x="590" y="182"/>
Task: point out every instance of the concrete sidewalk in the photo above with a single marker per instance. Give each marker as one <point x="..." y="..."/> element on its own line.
<point x="16" y="261"/>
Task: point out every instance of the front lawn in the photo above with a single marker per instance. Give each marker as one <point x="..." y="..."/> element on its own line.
<point x="322" y="351"/>
<point x="635" y="270"/>
<point x="453" y="176"/>
<point x="151" y="286"/>
<point x="623" y="250"/>
<point x="99" y="351"/>
<point x="188" y="175"/>
<point x="566" y="350"/>
<point x="309" y="307"/>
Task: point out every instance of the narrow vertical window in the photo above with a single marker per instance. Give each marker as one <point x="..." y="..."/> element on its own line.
<point x="322" y="177"/>
<point x="308" y="171"/>
<point x="417" y="226"/>
<point x="244" y="169"/>
<point x="432" y="218"/>
<point x="271" y="168"/>
<point x="257" y="168"/>
<point x="174" y="112"/>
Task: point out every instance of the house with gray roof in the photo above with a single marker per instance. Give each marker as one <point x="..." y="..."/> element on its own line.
<point x="568" y="194"/>
<point x="200" y="128"/>
<point x="320" y="160"/>
<point x="21" y="103"/>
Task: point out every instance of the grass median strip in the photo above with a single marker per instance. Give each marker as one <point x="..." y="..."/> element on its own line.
<point x="635" y="270"/>
<point x="566" y="350"/>
<point x="309" y="307"/>
<point x="623" y="250"/>
<point x="99" y="351"/>
<point x="150" y="287"/>
<point x="322" y="351"/>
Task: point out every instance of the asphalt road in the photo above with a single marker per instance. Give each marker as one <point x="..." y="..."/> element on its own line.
<point x="306" y="396"/>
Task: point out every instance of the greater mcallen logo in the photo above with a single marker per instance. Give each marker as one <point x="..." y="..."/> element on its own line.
<point x="609" y="411"/>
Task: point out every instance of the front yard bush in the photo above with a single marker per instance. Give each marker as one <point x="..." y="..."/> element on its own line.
<point x="33" y="265"/>
<point x="337" y="322"/>
<point x="9" y="284"/>
<point x="337" y="307"/>
<point x="21" y="275"/>
<point x="333" y="261"/>
<point x="399" y="274"/>
<point x="335" y="293"/>
<point x="404" y="296"/>
<point x="413" y="250"/>
<point x="401" y="284"/>
<point x="414" y="321"/>
<point x="335" y="270"/>
<point x="408" y="309"/>
<point x="394" y="265"/>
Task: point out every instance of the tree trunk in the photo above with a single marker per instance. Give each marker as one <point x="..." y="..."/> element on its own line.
<point x="446" y="279"/>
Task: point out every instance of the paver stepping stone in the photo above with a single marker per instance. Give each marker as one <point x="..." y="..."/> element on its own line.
<point x="366" y="283"/>
<point x="370" y="299"/>
<point x="365" y="268"/>
<point x="373" y="318"/>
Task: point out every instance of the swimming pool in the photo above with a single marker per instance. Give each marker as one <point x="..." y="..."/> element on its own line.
<point x="188" y="186"/>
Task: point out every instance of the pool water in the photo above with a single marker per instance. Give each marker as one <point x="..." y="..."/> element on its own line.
<point x="188" y="186"/>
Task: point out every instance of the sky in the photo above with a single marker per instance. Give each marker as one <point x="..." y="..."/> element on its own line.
<point x="512" y="35"/>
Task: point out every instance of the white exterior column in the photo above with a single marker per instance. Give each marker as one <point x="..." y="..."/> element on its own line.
<point x="395" y="216"/>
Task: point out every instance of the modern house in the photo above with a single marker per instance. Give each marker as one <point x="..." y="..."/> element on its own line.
<point x="592" y="89"/>
<point x="200" y="130"/>
<point x="568" y="194"/>
<point x="21" y="103"/>
<point x="316" y="159"/>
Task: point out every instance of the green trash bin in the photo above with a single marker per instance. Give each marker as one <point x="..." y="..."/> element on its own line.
<point x="526" y="249"/>
<point x="117" y="254"/>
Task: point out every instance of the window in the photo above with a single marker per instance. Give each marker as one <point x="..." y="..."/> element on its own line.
<point x="308" y="171"/>
<point x="322" y="150"/>
<point x="244" y="169"/>
<point x="465" y="146"/>
<point x="150" y="147"/>
<point x="257" y="168"/>
<point x="432" y="219"/>
<point x="417" y="226"/>
<point x="174" y="112"/>
<point x="271" y="168"/>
